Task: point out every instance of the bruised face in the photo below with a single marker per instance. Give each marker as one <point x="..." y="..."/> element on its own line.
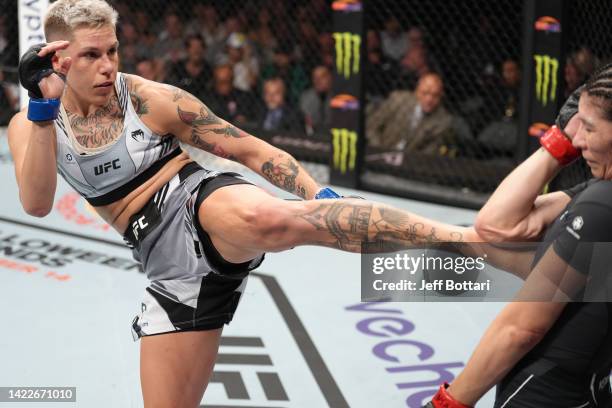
<point x="95" y="62"/>
<point x="594" y="137"/>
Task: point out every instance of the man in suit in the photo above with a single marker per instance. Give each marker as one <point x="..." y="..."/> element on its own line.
<point x="276" y="114"/>
<point x="412" y="121"/>
<point x="315" y="101"/>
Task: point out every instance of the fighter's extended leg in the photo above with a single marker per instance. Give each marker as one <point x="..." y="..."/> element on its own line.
<point x="244" y="220"/>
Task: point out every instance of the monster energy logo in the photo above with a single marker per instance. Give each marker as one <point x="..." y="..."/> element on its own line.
<point x="345" y="149"/>
<point x="348" y="46"/>
<point x="546" y="78"/>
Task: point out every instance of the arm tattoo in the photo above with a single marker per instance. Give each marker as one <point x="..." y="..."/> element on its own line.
<point x="178" y="94"/>
<point x="205" y="123"/>
<point x="356" y="227"/>
<point x="284" y="175"/>
<point x="139" y="103"/>
<point x="201" y="127"/>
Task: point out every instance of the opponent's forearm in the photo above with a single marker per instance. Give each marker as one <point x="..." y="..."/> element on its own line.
<point x="355" y="225"/>
<point x="38" y="177"/>
<point x="499" y="350"/>
<point x="284" y="171"/>
<point x="513" y="200"/>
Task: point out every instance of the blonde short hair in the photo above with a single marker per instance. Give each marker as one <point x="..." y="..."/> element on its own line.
<point x="65" y="16"/>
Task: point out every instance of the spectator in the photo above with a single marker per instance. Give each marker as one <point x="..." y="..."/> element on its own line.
<point x="511" y="86"/>
<point x="315" y="101"/>
<point x="9" y="48"/>
<point x="413" y="66"/>
<point x="192" y="74"/>
<point x="263" y="38"/>
<point x="142" y="21"/>
<point x="276" y="114"/>
<point x="308" y="50"/>
<point x="578" y="67"/>
<point x="501" y="134"/>
<point x="412" y="121"/>
<point x="231" y="104"/>
<point x="241" y="57"/>
<point x="9" y="102"/>
<point x="129" y="50"/>
<point x="291" y="72"/>
<point x="206" y="23"/>
<point x="326" y="46"/>
<point x="381" y="70"/>
<point x="170" y="47"/>
<point x="147" y="69"/>
<point x="394" y="40"/>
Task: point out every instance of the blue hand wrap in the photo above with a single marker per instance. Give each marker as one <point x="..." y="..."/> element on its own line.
<point x="42" y="110"/>
<point x="326" y="192"/>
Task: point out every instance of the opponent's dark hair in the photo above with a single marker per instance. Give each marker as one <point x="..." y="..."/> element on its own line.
<point x="599" y="86"/>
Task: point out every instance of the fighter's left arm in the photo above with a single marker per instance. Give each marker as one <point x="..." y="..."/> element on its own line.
<point x="172" y="110"/>
<point x="522" y="324"/>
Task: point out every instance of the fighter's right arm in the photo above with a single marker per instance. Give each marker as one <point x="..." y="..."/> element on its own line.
<point x="32" y="140"/>
<point x="33" y="149"/>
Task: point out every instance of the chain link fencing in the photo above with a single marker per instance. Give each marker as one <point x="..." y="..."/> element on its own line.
<point x="262" y="65"/>
<point x="588" y="46"/>
<point x="267" y="67"/>
<point x="443" y="82"/>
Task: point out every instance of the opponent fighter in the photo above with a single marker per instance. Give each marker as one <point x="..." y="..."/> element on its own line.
<point x="552" y="354"/>
<point x="115" y="139"/>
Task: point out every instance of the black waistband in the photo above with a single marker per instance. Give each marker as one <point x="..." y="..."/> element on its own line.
<point x="150" y="210"/>
<point x="128" y="187"/>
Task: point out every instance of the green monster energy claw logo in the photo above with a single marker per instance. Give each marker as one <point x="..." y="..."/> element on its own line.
<point x="348" y="46"/>
<point x="546" y="78"/>
<point x="345" y="149"/>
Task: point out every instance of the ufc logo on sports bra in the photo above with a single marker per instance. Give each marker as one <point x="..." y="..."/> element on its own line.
<point x="104" y="168"/>
<point x="139" y="225"/>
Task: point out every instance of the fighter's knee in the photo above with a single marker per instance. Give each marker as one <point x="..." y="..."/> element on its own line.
<point x="273" y="226"/>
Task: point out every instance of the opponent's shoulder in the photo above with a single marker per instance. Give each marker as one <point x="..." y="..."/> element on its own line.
<point x="596" y="192"/>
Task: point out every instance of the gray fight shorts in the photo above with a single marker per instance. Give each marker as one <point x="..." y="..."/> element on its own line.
<point x="192" y="286"/>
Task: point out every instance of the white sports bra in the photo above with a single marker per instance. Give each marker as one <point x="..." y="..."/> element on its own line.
<point x="107" y="174"/>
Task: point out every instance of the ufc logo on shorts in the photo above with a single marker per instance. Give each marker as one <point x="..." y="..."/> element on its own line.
<point x="139" y="225"/>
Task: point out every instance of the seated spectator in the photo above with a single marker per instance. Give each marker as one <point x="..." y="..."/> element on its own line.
<point x="413" y="65"/>
<point x="146" y="69"/>
<point x="511" y="87"/>
<point x="327" y="51"/>
<point x="291" y="72"/>
<point x="227" y="102"/>
<point x="193" y="74"/>
<point x="169" y="47"/>
<point x="380" y="70"/>
<point x="501" y="135"/>
<point x="244" y="62"/>
<point x="315" y="101"/>
<point x="206" y="23"/>
<point x="276" y="114"/>
<point x="579" y="65"/>
<point x="394" y="39"/>
<point x="412" y="121"/>
<point x="128" y="38"/>
<point x="263" y="38"/>
<point x="9" y="101"/>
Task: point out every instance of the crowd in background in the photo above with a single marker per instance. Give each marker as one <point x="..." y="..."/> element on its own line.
<point x="269" y="65"/>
